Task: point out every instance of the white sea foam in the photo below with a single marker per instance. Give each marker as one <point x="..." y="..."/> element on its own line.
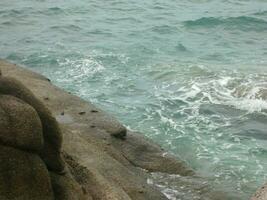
<point x="251" y="105"/>
<point x="170" y="193"/>
<point x="82" y="67"/>
<point x="176" y="187"/>
<point x="248" y="95"/>
<point x="209" y="112"/>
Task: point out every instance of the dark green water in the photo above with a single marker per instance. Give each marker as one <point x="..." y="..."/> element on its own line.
<point x="190" y="74"/>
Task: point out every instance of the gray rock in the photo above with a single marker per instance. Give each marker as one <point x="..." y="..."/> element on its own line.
<point x="145" y="154"/>
<point x="23" y="176"/>
<point x="261" y="193"/>
<point x="20" y="124"/>
<point x="66" y="188"/>
<point x="51" y="132"/>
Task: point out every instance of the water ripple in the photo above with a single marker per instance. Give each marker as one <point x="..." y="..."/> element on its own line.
<point x="241" y="23"/>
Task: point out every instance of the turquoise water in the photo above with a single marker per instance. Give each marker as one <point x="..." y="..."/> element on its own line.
<point x="190" y="74"/>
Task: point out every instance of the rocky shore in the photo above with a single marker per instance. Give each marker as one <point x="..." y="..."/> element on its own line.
<point x="55" y="145"/>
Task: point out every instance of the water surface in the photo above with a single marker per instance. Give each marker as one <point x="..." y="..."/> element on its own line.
<point x="190" y="74"/>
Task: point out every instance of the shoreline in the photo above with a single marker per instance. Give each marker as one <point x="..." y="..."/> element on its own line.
<point x="117" y="165"/>
<point x="117" y="161"/>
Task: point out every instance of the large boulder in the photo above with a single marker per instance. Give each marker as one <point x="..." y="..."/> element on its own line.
<point x="23" y="176"/>
<point x="20" y="125"/>
<point x="51" y="153"/>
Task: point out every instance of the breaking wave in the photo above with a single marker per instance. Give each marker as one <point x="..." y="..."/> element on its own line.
<point x="241" y="22"/>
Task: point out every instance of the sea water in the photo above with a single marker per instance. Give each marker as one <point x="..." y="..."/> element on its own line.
<point x="189" y="74"/>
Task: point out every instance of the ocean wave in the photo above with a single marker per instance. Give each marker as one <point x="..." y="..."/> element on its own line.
<point x="55" y="8"/>
<point x="105" y="32"/>
<point x="180" y="47"/>
<point x="176" y="187"/>
<point x="125" y="19"/>
<point x="200" y="85"/>
<point x="241" y="22"/>
<point x="248" y="94"/>
<point x="31" y="10"/>
<point x="164" y="29"/>
<point x="14" y="13"/>
<point x="7" y="23"/>
<point x="212" y="110"/>
<point x="11" y="12"/>
<point x="51" y="11"/>
<point x="77" y="70"/>
<point x="66" y="28"/>
<point x="261" y="13"/>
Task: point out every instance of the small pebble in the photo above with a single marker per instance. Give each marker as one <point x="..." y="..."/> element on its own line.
<point x="94" y="111"/>
<point x="82" y="113"/>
